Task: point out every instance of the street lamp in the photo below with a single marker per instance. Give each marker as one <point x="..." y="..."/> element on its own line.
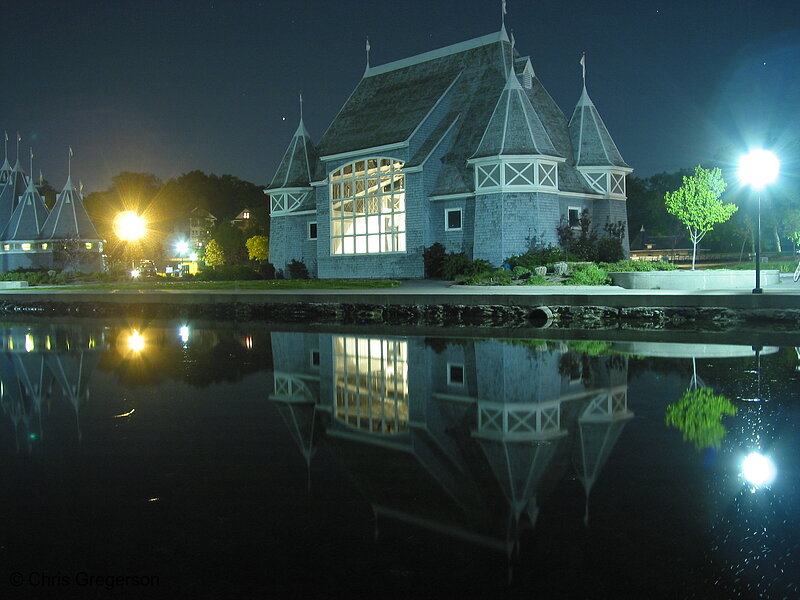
<point x="758" y="168"/>
<point x="130" y="227"/>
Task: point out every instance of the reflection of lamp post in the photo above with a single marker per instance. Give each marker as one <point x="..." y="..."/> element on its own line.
<point x="757" y="169"/>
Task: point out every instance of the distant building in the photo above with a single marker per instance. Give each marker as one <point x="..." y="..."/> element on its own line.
<point x="33" y="237"/>
<point x="660" y="247"/>
<point x="462" y="146"/>
<point x="195" y="228"/>
<point x="242" y="219"/>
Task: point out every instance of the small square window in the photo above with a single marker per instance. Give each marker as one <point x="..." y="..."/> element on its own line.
<point x="314" y="360"/>
<point x="574" y="217"/>
<point x="455" y="374"/>
<point x="26" y="246"/>
<point x="312" y="231"/>
<point x="452" y="217"/>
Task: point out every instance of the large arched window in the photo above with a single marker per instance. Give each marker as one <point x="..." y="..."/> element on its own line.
<point x="368" y="207"/>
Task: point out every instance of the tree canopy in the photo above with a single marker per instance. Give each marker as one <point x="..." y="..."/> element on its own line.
<point x="258" y="247"/>
<point x="697" y="204"/>
<point x="215" y="255"/>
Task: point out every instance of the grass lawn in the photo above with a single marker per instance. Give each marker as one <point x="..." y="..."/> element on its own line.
<point x="783" y="265"/>
<point x="278" y="284"/>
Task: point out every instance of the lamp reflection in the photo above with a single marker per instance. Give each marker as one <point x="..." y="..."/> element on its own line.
<point x="136" y="342"/>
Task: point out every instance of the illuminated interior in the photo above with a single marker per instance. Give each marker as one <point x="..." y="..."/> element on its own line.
<point x="371" y="383"/>
<point x="368" y="207"/>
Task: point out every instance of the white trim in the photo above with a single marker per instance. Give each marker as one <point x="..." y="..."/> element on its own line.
<point x="320" y="183"/>
<point x="308" y="230"/>
<point x="447" y="212"/>
<point x="375" y="150"/>
<point x="580" y="210"/>
<point x="451" y="196"/>
<point x="294" y="214"/>
<point x="498" y="36"/>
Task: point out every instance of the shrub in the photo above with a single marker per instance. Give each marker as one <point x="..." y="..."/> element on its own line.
<point x="297" y="269"/>
<point x="536" y="280"/>
<point x="228" y="273"/>
<point x="635" y="266"/>
<point x="266" y="270"/>
<point x="609" y="249"/>
<point x="499" y="277"/>
<point x="589" y="274"/>
<point x="519" y="271"/>
<point x="455" y="264"/>
<point x="434" y="259"/>
<point x="537" y="258"/>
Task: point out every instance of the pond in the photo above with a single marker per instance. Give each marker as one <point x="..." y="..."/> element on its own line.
<point x="246" y="460"/>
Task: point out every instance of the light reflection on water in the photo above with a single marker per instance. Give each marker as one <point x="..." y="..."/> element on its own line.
<point x="558" y="458"/>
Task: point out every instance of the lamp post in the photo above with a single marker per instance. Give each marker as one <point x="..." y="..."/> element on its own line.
<point x="758" y="168"/>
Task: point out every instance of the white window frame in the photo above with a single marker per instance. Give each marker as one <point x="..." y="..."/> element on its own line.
<point x="516" y="174"/>
<point x="579" y="210"/>
<point x="450" y="381"/>
<point x="286" y="201"/>
<point x="367" y="200"/>
<point x="447" y="212"/>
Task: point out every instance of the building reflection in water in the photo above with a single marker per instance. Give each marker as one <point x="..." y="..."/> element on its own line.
<point x="39" y="364"/>
<point x="462" y="437"/>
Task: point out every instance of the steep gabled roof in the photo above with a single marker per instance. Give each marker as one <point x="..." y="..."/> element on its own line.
<point x="591" y="142"/>
<point x="5" y="171"/>
<point x="392" y="100"/>
<point x="28" y="217"/>
<point x="69" y="217"/>
<point x="515" y="128"/>
<point x="300" y="162"/>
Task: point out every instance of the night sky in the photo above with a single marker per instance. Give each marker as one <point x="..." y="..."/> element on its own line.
<point x="168" y="86"/>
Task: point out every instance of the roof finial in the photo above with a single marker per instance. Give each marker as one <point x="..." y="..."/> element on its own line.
<point x="80" y="187"/>
<point x="503" y="11"/>
<point x="41" y="178"/>
<point x="583" y="68"/>
<point x="69" y="163"/>
<point x="19" y="139"/>
<point x="6" y="145"/>
<point x="513" y="43"/>
<point x="31" y="163"/>
<point x="368" y="49"/>
<point x="301" y="106"/>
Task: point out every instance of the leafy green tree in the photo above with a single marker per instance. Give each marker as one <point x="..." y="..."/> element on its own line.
<point x="232" y="241"/>
<point x="696" y="203"/>
<point x="698" y="414"/>
<point x="258" y="247"/>
<point x="790" y="226"/>
<point x="215" y="255"/>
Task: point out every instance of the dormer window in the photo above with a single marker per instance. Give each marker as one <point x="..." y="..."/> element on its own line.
<point x="517" y="175"/>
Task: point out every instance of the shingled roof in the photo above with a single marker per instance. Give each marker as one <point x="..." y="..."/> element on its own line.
<point x="515" y="128"/>
<point x="300" y="162"/>
<point x="11" y="192"/>
<point x="28" y="217"/>
<point x="592" y="144"/>
<point x="69" y="217"/>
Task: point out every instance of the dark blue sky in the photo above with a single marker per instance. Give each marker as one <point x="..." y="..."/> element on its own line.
<point x="168" y="87"/>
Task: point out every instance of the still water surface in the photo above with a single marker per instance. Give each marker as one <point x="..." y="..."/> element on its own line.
<point x="242" y="461"/>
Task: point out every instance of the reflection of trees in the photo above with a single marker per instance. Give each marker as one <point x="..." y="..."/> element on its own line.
<point x="211" y="356"/>
<point x="698" y="414"/>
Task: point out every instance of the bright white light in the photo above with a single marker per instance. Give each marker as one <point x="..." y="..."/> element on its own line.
<point x="136" y="341"/>
<point x="129" y="226"/>
<point x="29" y="345"/>
<point x="183" y="333"/>
<point x="193" y="256"/>
<point x="135" y="273"/>
<point x="758" y="469"/>
<point x="758" y="168"/>
<point x="182" y="247"/>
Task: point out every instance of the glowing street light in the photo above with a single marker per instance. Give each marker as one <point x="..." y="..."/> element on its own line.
<point x="182" y="248"/>
<point x="758" y="168"/>
<point x="758" y="470"/>
<point x="129" y="226"/>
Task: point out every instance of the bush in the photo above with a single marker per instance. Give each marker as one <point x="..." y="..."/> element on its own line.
<point x="537" y="258"/>
<point x="297" y="269"/>
<point x="519" y="271"/>
<point x="266" y="270"/>
<point x="610" y="249"/>
<point x="589" y="274"/>
<point x="434" y="259"/>
<point x="635" y="266"/>
<point x="536" y="280"/>
<point x="228" y="273"/>
<point x="455" y="264"/>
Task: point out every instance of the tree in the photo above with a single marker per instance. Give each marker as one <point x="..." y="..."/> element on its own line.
<point x="231" y="240"/>
<point x="698" y="414"/>
<point x="215" y="255"/>
<point x="258" y="247"/>
<point x="696" y="203"/>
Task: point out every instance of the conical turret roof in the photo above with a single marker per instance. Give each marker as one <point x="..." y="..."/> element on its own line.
<point x="299" y="163"/>
<point x="28" y="217"/>
<point x="593" y="146"/>
<point x="515" y="127"/>
<point x="69" y="217"/>
<point x="5" y="171"/>
<point x="11" y="192"/>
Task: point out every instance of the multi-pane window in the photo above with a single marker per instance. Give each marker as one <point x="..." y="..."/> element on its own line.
<point x="371" y="383"/>
<point x="368" y="207"/>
